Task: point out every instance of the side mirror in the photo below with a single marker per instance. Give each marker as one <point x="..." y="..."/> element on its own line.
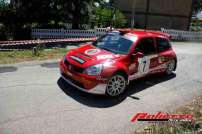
<point x="138" y="55"/>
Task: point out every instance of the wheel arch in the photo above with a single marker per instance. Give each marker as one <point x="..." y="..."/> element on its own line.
<point x="123" y="72"/>
<point x="125" y="75"/>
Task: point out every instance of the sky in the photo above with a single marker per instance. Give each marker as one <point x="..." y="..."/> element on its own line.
<point x="7" y="1"/>
<point x="199" y="15"/>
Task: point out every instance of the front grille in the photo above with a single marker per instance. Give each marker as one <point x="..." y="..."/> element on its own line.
<point x="72" y="80"/>
<point x="73" y="67"/>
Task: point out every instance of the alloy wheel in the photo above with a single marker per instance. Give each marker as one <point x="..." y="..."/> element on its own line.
<point x="170" y="67"/>
<point x="116" y="85"/>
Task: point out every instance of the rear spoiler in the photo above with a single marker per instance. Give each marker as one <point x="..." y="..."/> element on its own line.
<point x="124" y="31"/>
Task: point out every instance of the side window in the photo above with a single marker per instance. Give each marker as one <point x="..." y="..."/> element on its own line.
<point x="146" y="46"/>
<point x="162" y="44"/>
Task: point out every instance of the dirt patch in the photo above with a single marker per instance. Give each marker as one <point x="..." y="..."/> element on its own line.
<point x="10" y="57"/>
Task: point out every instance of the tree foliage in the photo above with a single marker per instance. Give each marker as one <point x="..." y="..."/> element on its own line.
<point x="197" y="6"/>
<point x="51" y="11"/>
<point x="105" y="16"/>
<point x="19" y="15"/>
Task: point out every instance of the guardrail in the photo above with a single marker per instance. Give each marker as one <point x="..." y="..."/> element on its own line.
<point x="183" y="35"/>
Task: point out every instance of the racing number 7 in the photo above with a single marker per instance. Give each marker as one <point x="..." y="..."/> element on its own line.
<point x="144" y="65"/>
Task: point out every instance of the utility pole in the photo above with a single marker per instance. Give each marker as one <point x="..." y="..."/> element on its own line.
<point x="111" y="3"/>
<point x="147" y="13"/>
<point x="133" y="13"/>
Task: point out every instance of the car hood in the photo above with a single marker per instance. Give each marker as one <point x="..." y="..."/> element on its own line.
<point x="87" y="55"/>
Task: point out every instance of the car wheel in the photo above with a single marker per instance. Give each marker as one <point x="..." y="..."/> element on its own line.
<point x="170" y="67"/>
<point x="116" y="85"/>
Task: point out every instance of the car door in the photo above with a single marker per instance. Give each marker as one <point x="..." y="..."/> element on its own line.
<point x="149" y="59"/>
<point x="163" y="47"/>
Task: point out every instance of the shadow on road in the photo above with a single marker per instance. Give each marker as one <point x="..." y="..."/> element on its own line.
<point x="50" y="65"/>
<point x="104" y="101"/>
<point x="8" y="69"/>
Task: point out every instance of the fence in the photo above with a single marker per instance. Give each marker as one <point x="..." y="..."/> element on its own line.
<point x="183" y="35"/>
<point x="62" y="33"/>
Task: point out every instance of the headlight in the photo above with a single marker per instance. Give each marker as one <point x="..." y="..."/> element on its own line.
<point x="94" y="70"/>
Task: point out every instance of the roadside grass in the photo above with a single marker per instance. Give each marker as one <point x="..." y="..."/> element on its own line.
<point x="9" y="57"/>
<point x="194" y="127"/>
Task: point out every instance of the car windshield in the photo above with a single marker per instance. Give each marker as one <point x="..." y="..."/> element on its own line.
<point x="114" y="43"/>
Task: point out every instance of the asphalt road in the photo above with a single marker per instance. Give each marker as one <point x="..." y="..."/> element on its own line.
<point x="34" y="100"/>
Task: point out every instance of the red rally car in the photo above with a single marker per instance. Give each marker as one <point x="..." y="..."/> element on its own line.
<point x="107" y="65"/>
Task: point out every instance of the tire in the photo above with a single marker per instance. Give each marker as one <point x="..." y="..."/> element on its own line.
<point x="170" y="67"/>
<point x="116" y="85"/>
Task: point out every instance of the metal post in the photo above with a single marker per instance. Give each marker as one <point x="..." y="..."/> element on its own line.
<point x="113" y="19"/>
<point x="146" y="15"/>
<point x="190" y="16"/>
<point x="133" y="13"/>
<point x="34" y="51"/>
<point x="112" y="13"/>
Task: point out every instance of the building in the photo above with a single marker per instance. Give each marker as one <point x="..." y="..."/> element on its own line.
<point x="155" y="14"/>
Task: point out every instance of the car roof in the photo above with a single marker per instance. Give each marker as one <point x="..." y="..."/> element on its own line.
<point x="144" y="33"/>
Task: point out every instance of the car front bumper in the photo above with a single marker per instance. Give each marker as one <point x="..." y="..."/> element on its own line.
<point x="82" y="82"/>
<point x="98" y="89"/>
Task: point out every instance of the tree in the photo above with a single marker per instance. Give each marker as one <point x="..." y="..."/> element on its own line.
<point x="197" y="6"/>
<point x="19" y="15"/>
<point x="7" y="19"/>
<point x="75" y="11"/>
<point x="105" y="16"/>
<point x="29" y="11"/>
<point x="81" y="11"/>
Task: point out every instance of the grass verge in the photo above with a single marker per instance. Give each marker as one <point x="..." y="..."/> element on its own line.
<point x="194" y="127"/>
<point x="9" y="57"/>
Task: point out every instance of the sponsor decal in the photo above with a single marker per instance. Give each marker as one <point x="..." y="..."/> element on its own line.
<point x="163" y="59"/>
<point x="92" y="51"/>
<point x="77" y="59"/>
<point x="132" y="67"/>
<point x="160" y="116"/>
<point x="144" y="67"/>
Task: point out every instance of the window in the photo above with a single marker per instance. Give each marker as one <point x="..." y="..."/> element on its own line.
<point x="114" y="43"/>
<point x="162" y="44"/>
<point x="146" y="46"/>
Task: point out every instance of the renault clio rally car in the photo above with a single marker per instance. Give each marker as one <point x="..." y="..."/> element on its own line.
<point x="107" y="65"/>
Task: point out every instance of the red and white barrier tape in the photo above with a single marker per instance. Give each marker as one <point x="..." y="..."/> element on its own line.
<point x="25" y="42"/>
